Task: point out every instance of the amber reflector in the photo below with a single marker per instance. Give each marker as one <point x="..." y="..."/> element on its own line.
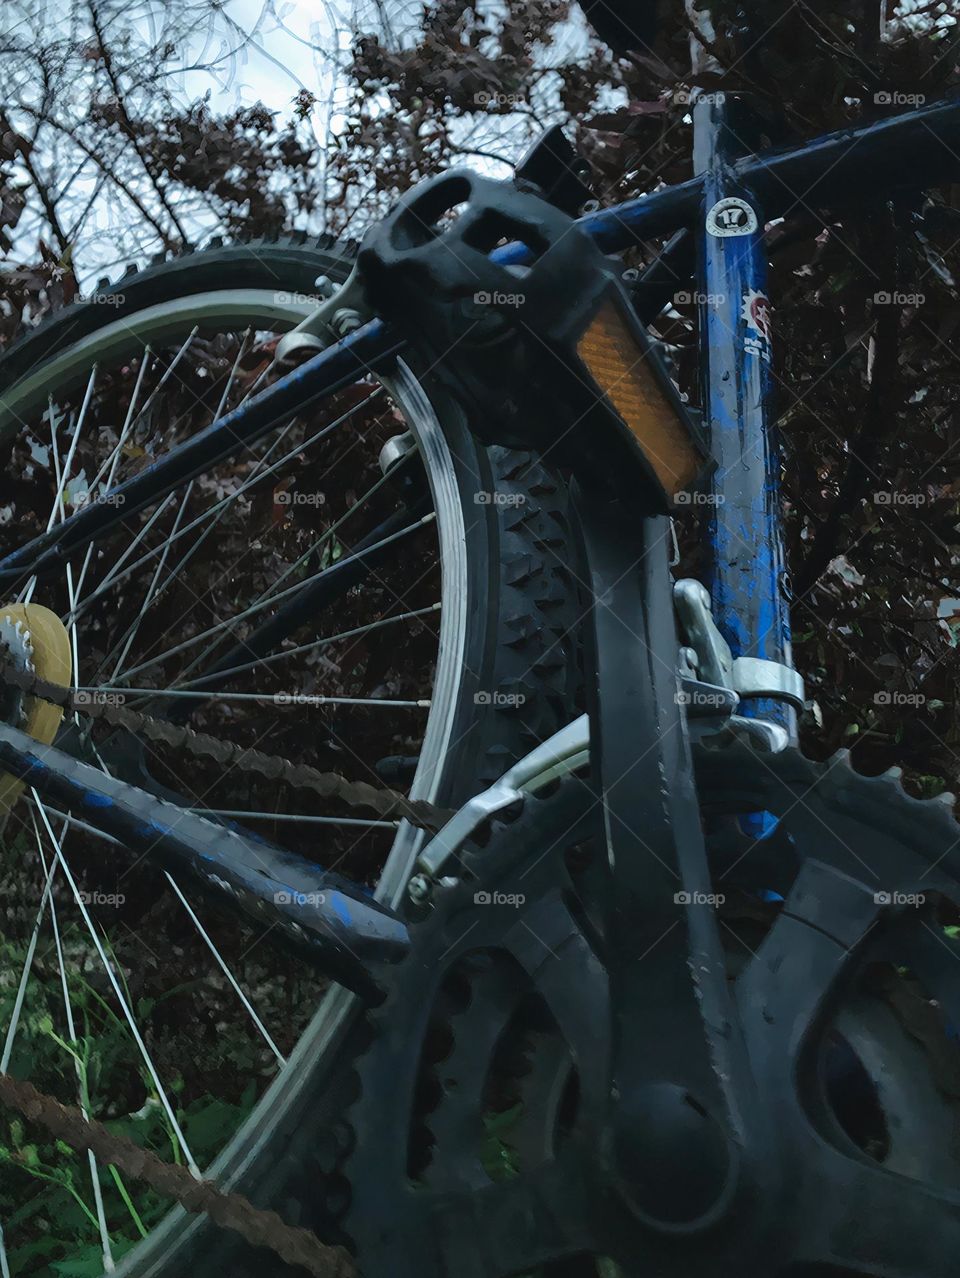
<point x="621" y="370"/>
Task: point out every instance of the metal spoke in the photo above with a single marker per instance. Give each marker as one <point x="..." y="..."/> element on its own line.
<point x="322" y="540"/>
<point x="112" y="461"/>
<point x="281" y="1059"/>
<point x="63" y="473"/>
<point x="319" y="643"/>
<point x="254" y="478"/>
<point x="276" y="698"/>
<point x="241" y="814"/>
<point x="264" y="603"/>
<point x="270" y="592"/>
<point x="154" y="590"/>
<point x="81" y="1082"/>
<point x="114" y="458"/>
<point x="25" y="975"/>
<point x="118" y="991"/>
<point x="71" y="820"/>
<point x="131" y="632"/>
<point x="112" y="576"/>
<point x="244" y="344"/>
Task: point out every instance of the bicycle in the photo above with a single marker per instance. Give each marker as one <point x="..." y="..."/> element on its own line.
<point x="657" y="994"/>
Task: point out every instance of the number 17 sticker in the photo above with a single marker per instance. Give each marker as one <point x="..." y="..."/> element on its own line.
<point x="731" y="216"/>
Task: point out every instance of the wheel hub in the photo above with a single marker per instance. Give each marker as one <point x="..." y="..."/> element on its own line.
<point x="34" y="640"/>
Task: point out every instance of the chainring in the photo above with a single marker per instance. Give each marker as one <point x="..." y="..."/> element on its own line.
<point x="480" y="1147"/>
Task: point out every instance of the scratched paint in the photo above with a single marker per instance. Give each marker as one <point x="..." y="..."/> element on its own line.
<point x="744" y="542"/>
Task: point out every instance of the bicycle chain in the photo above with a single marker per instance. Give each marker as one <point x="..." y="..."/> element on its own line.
<point x="293" y="1244"/>
<point x="382" y="801"/>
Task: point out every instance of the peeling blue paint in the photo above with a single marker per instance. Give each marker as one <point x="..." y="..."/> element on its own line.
<point x="93" y="800"/>
<point x="340" y="907"/>
<point x="744" y="542"/>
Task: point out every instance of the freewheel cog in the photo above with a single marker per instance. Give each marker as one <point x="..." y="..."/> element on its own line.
<point x="35" y="640"/>
<point x="480" y="1135"/>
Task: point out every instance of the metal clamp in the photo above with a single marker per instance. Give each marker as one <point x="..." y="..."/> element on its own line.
<point x="714" y="662"/>
<point x="565" y="752"/>
<point x="714" y="658"/>
<point x="755" y="677"/>
<point x="345" y="309"/>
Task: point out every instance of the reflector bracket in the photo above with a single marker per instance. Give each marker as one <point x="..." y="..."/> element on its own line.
<point x="626" y="375"/>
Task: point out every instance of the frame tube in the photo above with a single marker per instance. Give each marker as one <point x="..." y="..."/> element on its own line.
<point x="746" y="570"/>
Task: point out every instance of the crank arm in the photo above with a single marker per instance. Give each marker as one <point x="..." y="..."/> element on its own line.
<point x="319" y="913"/>
<point x="681" y="1079"/>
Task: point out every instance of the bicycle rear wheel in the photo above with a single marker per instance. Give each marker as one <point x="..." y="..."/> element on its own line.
<point x="175" y="346"/>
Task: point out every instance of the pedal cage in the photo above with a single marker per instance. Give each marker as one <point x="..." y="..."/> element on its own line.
<point x="503" y="339"/>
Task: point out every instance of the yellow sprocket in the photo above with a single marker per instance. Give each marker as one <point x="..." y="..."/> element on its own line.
<point x="51" y="657"/>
